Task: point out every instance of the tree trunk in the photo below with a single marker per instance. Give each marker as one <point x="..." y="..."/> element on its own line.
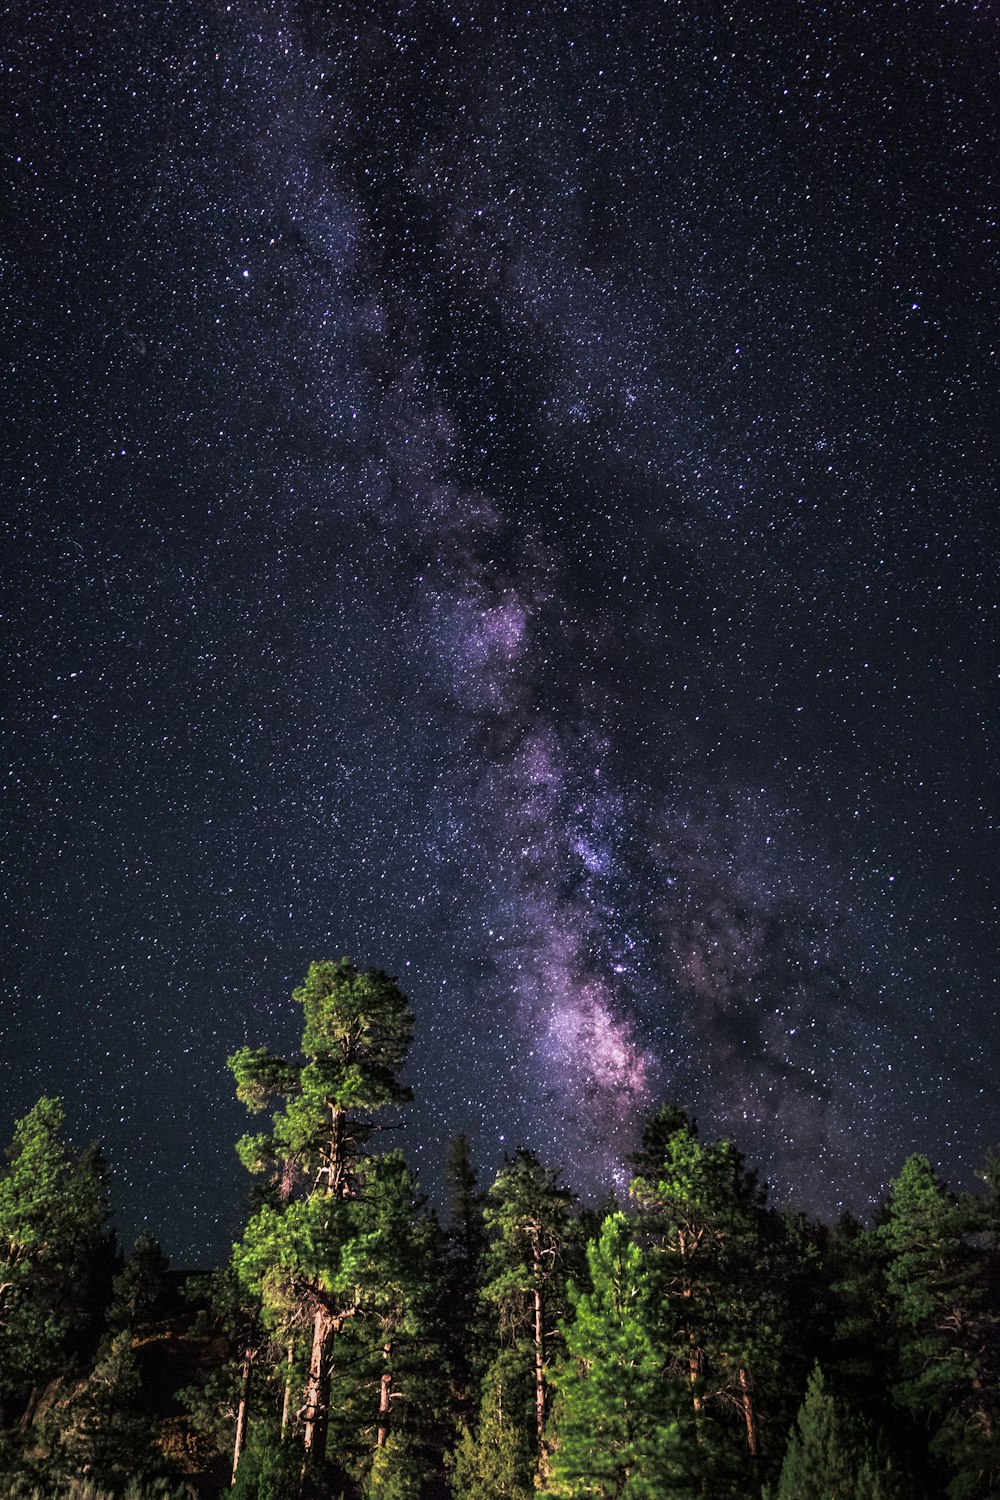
<point x="317" y="1387"/>
<point x="748" y="1412"/>
<point x="336" y="1169"/>
<point x="694" y="1370"/>
<point x="28" y="1415"/>
<point x="694" y="1361"/>
<point x="241" y="1412"/>
<point x="286" y="1404"/>
<point x="539" y="1350"/>
<point x="385" y="1397"/>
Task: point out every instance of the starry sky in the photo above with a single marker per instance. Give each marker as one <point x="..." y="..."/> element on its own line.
<point x="509" y="494"/>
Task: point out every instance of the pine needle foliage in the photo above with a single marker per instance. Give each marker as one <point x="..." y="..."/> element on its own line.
<point x="622" y="1428"/>
<point x="832" y="1454"/>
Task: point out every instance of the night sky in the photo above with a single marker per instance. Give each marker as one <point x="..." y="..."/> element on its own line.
<point x="512" y="498"/>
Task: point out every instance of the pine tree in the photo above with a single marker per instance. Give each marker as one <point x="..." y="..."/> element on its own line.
<point x="139" y="1285"/>
<point x="395" y="1473"/>
<point x="945" y="1328"/>
<point x="528" y="1218"/>
<point x="387" y="1371"/>
<point x="622" y="1431"/>
<point x="53" y="1209"/>
<point x="498" y="1458"/>
<point x="464" y="1242"/>
<point x="465" y="1203"/>
<point x="831" y="1454"/>
<point x="703" y="1215"/>
<point x="270" y="1470"/>
<point x="217" y="1402"/>
<point x="303" y="1252"/>
<point x="100" y="1430"/>
<point x="861" y="1333"/>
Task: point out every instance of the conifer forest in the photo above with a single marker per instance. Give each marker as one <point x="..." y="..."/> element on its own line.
<point x="681" y="1339"/>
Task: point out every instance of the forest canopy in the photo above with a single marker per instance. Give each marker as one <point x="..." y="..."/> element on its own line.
<point x="689" y="1339"/>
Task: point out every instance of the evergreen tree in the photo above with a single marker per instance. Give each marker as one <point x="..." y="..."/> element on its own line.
<point x="498" y="1458"/>
<point x="861" y="1333"/>
<point x="711" y="1241"/>
<point x="387" y="1369"/>
<point x="395" y="1473"/>
<point x="784" y="1313"/>
<point x="622" y="1431"/>
<point x="53" y="1208"/>
<point x="945" y="1329"/>
<point x="831" y="1454"/>
<point x="465" y="1204"/>
<point x="101" y="1430"/>
<point x="304" y="1251"/>
<point x="138" y="1287"/>
<point x="270" y="1470"/>
<point x="465" y="1232"/>
<point x="217" y="1402"/>
<point x="528" y="1218"/>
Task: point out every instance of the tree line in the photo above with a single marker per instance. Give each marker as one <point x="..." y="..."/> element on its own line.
<point x="689" y="1341"/>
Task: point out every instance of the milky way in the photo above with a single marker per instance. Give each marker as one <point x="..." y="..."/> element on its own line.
<point x="510" y="500"/>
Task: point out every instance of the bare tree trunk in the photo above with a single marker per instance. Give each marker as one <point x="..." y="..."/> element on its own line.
<point x="242" y="1412"/>
<point x="385" y="1397"/>
<point x="697" y="1404"/>
<point x="286" y="1404"/>
<point x="28" y="1415"/>
<point x="336" y="1171"/>
<point x="694" y="1370"/>
<point x="539" y="1351"/>
<point x="694" y="1361"/>
<point x="316" y="1414"/>
<point x="748" y="1412"/>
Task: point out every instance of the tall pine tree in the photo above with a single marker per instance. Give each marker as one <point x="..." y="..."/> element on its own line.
<point x="622" y="1430"/>
<point x="946" y="1329"/>
<point x="832" y="1454"/>
<point x="303" y="1251"/>
<point x="703" y="1215"/>
<point x="53" y="1209"/>
<point x="528" y="1219"/>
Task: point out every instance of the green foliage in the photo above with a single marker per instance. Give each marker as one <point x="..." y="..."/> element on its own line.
<point x="262" y="1079"/>
<point x="462" y="1331"/>
<point x="712" y="1260"/>
<point x="699" y="1200"/>
<point x="497" y="1459"/>
<point x="138" y="1287"/>
<point x="269" y="1470"/>
<point x="210" y="1402"/>
<point x="53" y="1208"/>
<point x="465" y="1201"/>
<point x="832" y="1455"/>
<point x="88" y="1489"/>
<point x="946" y="1327"/>
<point x="395" y="1473"/>
<point x="528" y="1219"/>
<point x="532" y="1236"/>
<point x="100" y="1429"/>
<point x="922" y="1231"/>
<point x="357" y="1030"/>
<point x="395" y="1252"/>
<point x="622" y="1429"/>
<point x="338" y="1253"/>
<point x="862" y="1334"/>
